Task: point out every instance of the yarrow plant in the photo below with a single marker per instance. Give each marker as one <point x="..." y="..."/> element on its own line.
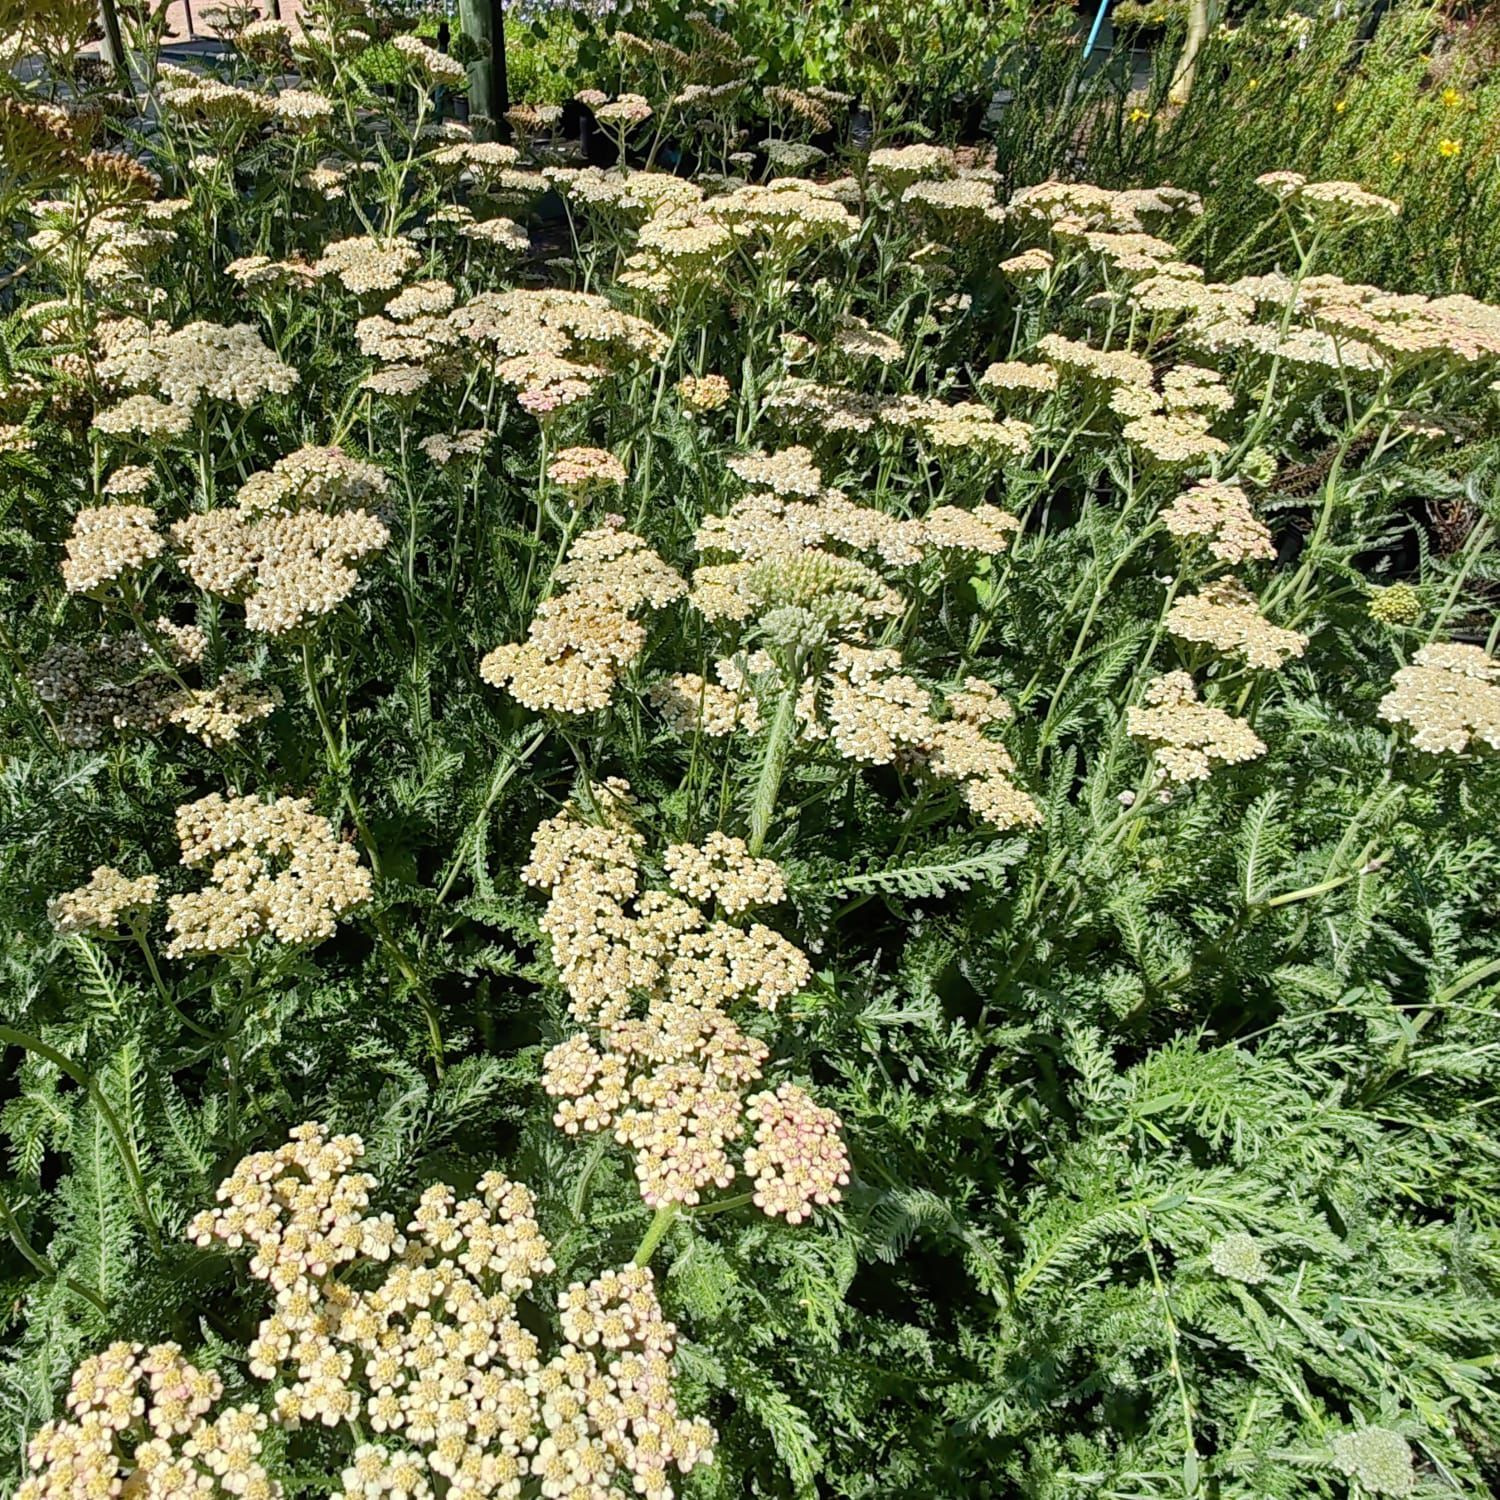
<point x="916" y="750"/>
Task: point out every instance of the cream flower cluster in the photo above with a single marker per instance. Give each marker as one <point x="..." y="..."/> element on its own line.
<point x="367" y="263"/>
<point x="197" y="362"/>
<point x="584" y="636"/>
<point x="107" y="542"/>
<point x="139" y="1427"/>
<point x="688" y="240"/>
<point x="420" y="1337"/>
<point x="692" y="705"/>
<point x="434" y="66"/>
<point x="1226" y="616"/>
<point x="668" y="1067"/>
<point x="722" y="869"/>
<point x="1188" y="736"/>
<point x="98" y="905"/>
<point x="275" y="869"/>
<point x="1449" y="696"/>
<point x="787" y="575"/>
<point x="1219" y="514"/>
<point x="798" y="1158"/>
<point x="878" y="715"/>
<point x="551" y="346"/>
<point x="287" y="547"/>
<point x="582" y="470"/>
<point x="703" y="392"/>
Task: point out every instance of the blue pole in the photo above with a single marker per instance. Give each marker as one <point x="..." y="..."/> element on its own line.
<point x="1088" y="46"/>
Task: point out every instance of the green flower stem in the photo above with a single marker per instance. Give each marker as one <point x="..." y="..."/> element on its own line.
<point x="773" y="768"/>
<point x="740" y="1200"/>
<point x="164" y="994"/>
<point x="85" y="1080"/>
<point x="42" y="1263"/>
<point x="338" y="762"/>
<point x="662" y="1221"/>
<point x="505" y="770"/>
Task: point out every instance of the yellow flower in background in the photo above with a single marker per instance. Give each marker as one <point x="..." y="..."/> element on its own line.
<point x="1340" y="105"/>
<point x="1448" y="147"/>
<point x="1451" y="97"/>
<point x="1397" y="158"/>
<point x="1254" y="83"/>
<point x="1137" y="115"/>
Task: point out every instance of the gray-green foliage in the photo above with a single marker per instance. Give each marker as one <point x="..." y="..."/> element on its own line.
<point x="1172" y="1118"/>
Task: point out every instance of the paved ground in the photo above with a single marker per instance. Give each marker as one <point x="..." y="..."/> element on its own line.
<point x="180" y="13"/>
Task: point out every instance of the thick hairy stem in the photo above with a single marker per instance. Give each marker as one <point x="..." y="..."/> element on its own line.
<point x="85" y="1081"/>
<point x="772" y="768"/>
<point x="663" y="1220"/>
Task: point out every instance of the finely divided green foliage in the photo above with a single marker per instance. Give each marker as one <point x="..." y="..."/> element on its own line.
<point x="1172" y="1118"/>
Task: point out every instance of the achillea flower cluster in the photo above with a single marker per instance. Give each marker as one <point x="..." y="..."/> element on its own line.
<point x="784" y="216"/>
<point x="98" y="905"/>
<point x="139" y="1426"/>
<point x="692" y="705"/>
<point x="1238" y="1257"/>
<point x="144" y="415"/>
<point x="856" y="339"/>
<point x="722" y="869"/>
<point x="1398" y="604"/>
<point x="1174" y="437"/>
<point x="419" y="1335"/>
<point x="552" y="347"/>
<point x="959" y="206"/>
<point x="878" y="715"/>
<point x="669" y="1079"/>
<point x="897" y="167"/>
<point x="260" y="272"/>
<point x="1379" y="1459"/>
<point x="703" y="392"/>
<point x="1333" y="201"/>
<point x="200" y="361"/>
<point x="1078" y="361"/>
<point x="368" y="264"/>
<point x="798" y="1158"/>
<point x="217" y="714"/>
<point x="276" y="869"/>
<point x="130" y="479"/>
<point x="580" y="471"/>
<point x="428" y="63"/>
<point x="1219" y="514"/>
<point x="1226" y="616"/>
<point x="215" y="103"/>
<point x="288" y="545"/>
<point x="1078" y="207"/>
<point x="1449" y="696"/>
<point x="302" y="109"/>
<point x="584" y="636"/>
<point x="107" y="542"/>
<point x="789" y="472"/>
<point x="1018" y="375"/>
<point x="1189" y="737"/>
<point x="442" y="448"/>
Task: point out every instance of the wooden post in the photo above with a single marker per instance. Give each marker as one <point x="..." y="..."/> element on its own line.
<point x="275" y="10"/>
<point x="1192" y="48"/>
<point x="483" y="22"/>
<point x="114" y="44"/>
